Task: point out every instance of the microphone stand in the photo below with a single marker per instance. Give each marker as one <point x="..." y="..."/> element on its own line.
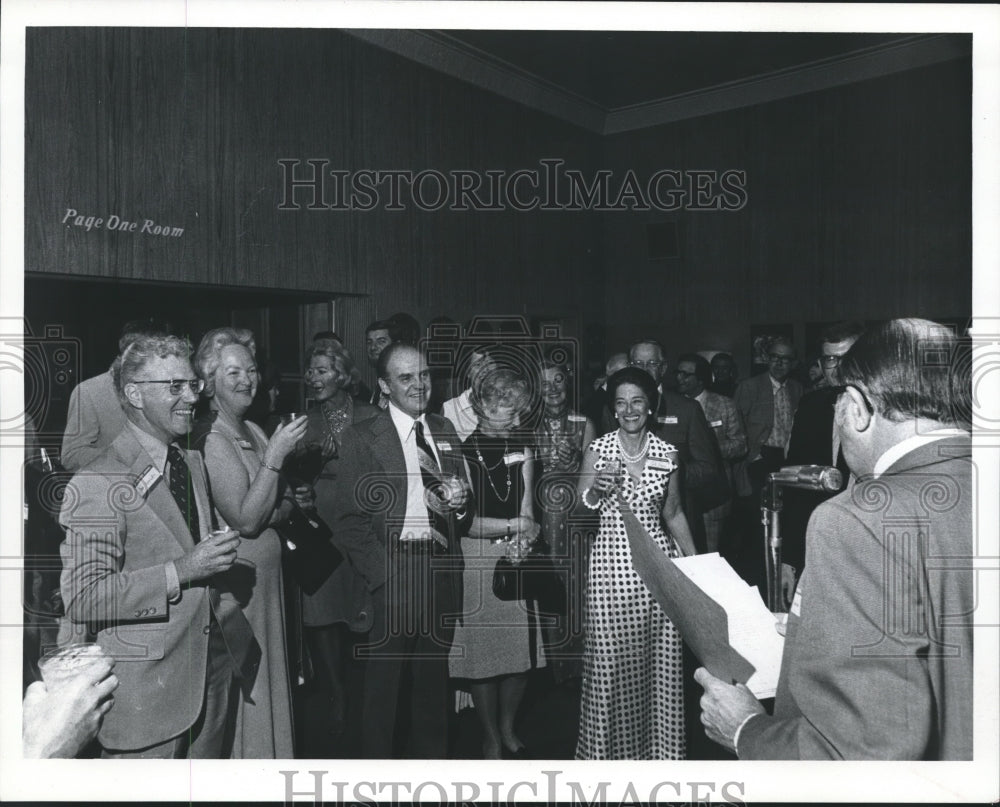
<point x="771" y="506"/>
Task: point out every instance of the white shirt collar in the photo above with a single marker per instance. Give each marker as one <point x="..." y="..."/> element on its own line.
<point x="776" y="385"/>
<point x="153" y="446"/>
<point x="404" y="423"/>
<point x="702" y="396"/>
<point x="889" y="458"/>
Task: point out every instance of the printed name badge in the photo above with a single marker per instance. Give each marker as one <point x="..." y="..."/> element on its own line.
<point x="715" y="423"/>
<point x="146" y="480"/>
<point x="576" y="418"/>
<point x="442" y="446"/>
<point x="667" y="419"/>
<point x="797" y="601"/>
<point x="513" y="458"/>
<point x="659" y="464"/>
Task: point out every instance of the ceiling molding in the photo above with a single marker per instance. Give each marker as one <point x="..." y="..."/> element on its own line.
<point x="447" y="55"/>
<point x="441" y="52"/>
<point x="837" y="71"/>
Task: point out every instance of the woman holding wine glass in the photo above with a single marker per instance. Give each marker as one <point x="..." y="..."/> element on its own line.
<point x="242" y="466"/>
<point x="632" y="704"/>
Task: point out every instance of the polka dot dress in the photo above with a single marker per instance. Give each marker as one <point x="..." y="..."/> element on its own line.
<point x="632" y="703"/>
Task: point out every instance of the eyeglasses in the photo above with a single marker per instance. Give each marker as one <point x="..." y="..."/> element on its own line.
<point x="646" y="364"/>
<point x="178" y="385"/>
<point x="843" y="388"/>
<point x="829" y="361"/>
<point x="777" y="357"/>
<point x="684" y="373"/>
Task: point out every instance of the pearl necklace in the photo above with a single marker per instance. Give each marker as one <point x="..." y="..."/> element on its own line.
<point x="634" y="457"/>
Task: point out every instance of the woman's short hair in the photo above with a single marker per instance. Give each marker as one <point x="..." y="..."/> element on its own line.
<point x="138" y="352"/>
<point x="499" y="385"/>
<point x="335" y="351"/>
<point x="910" y="368"/>
<point x="208" y="356"/>
<point x="632" y="375"/>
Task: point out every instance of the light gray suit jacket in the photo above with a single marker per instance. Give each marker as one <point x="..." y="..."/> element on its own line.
<point x="878" y="651"/>
<point x="114" y="580"/>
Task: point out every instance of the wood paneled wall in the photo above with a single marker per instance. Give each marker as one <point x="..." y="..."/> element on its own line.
<point x="186" y="127"/>
<point x="858" y="206"/>
<point x="858" y="197"/>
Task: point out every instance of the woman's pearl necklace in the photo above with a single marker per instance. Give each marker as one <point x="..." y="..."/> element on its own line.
<point x="634" y="457"/>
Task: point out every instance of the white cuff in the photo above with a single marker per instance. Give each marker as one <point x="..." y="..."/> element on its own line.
<point x="736" y="736"/>
<point x="173" y="584"/>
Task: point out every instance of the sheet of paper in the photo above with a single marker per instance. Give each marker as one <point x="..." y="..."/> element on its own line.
<point x="724" y="620"/>
<point x="752" y="631"/>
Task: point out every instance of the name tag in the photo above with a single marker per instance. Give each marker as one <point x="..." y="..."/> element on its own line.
<point x="715" y="423"/>
<point x="511" y="459"/>
<point x="245" y="444"/>
<point x="441" y="446"/>
<point x="797" y="600"/>
<point x="667" y="419"/>
<point x="146" y="480"/>
<point x="576" y="418"/>
<point x="657" y="464"/>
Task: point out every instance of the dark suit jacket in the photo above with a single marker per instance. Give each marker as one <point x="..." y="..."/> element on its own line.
<point x="94" y="418"/>
<point x="811" y="443"/>
<point x="370" y="492"/>
<point x="114" y="580"/>
<point x="878" y="651"/>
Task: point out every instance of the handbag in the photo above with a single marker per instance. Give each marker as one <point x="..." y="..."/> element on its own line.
<point x="528" y="580"/>
<point x="307" y="549"/>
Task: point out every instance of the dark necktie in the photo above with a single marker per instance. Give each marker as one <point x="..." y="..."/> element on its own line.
<point x="430" y="474"/>
<point x="180" y="488"/>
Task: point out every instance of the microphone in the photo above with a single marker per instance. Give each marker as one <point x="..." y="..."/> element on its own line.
<point x="809" y="477"/>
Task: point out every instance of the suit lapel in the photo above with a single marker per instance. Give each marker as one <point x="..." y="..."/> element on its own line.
<point x="159" y="502"/>
<point x="389" y="453"/>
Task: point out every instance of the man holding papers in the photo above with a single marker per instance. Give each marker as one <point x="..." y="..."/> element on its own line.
<point x="878" y="651"/>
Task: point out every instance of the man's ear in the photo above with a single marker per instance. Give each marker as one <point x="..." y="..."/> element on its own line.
<point x="853" y="411"/>
<point x="384" y="386"/>
<point x="132" y="395"/>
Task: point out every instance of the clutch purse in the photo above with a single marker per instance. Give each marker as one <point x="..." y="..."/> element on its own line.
<point x="528" y="580"/>
<point x="307" y="550"/>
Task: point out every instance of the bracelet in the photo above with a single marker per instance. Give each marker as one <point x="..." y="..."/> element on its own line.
<point x="263" y="464"/>
<point x="587" y="504"/>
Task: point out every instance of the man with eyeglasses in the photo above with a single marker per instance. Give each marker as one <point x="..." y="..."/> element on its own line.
<point x="694" y="374"/>
<point x="877" y="662"/>
<point x="814" y="441"/>
<point x="143" y="565"/>
<point x="767" y="404"/>
<point x="95" y="416"/>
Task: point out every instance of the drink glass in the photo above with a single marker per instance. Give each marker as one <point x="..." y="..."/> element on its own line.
<point x="290" y="416"/>
<point x="452" y="486"/>
<point x="61" y="665"/>
<point x="618" y="470"/>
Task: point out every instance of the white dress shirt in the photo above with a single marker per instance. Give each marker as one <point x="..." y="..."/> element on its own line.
<point x="417" y="521"/>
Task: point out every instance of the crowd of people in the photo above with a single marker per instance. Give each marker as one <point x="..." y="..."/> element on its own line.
<point x="192" y="493"/>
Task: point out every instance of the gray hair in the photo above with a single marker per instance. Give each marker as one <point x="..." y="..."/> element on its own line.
<point x="139" y="352"/>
